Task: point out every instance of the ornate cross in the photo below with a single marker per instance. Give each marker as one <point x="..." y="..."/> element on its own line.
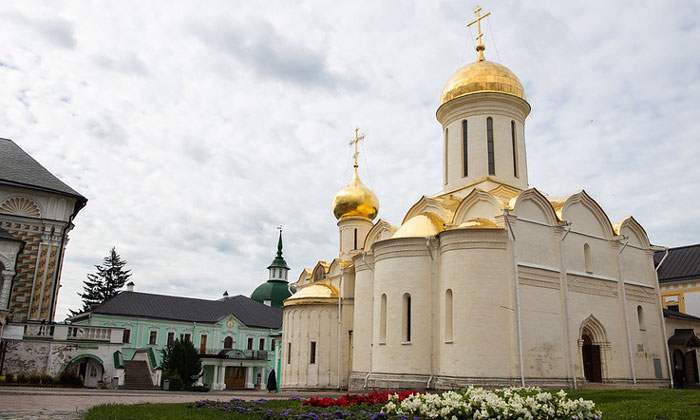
<point x="480" y="47"/>
<point x="355" y="142"/>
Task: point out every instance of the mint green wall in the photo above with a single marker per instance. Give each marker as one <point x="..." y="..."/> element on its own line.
<point x="216" y="333"/>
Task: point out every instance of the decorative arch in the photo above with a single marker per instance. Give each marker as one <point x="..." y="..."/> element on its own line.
<point x="594" y="351"/>
<point x="320" y="270"/>
<point x="478" y="204"/>
<point x="336" y="266"/>
<point x="21" y="206"/>
<point x="305" y="276"/>
<point x="631" y="228"/>
<point x="594" y="328"/>
<point x="534" y="197"/>
<point x="380" y="231"/>
<point x="426" y="205"/>
<point x="585" y="200"/>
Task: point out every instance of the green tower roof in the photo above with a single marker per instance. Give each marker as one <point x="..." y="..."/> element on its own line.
<point x="274" y="291"/>
<point x="279" y="261"/>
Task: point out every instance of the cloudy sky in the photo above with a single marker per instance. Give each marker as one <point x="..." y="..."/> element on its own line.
<point x="195" y="128"/>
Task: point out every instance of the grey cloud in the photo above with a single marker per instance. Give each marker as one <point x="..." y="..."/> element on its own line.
<point x="53" y="29"/>
<point x="124" y="63"/>
<point x="258" y="44"/>
<point x="106" y="129"/>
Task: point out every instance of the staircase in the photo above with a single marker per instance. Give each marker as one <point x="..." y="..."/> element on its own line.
<point x="137" y="375"/>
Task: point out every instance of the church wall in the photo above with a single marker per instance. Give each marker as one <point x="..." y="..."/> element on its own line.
<point x="403" y="266"/>
<point x="601" y="301"/>
<point x="318" y="323"/>
<point x="647" y="338"/>
<point x="545" y="353"/>
<point x="363" y="314"/>
<point x="537" y="244"/>
<point x="472" y="266"/>
<point x="603" y="255"/>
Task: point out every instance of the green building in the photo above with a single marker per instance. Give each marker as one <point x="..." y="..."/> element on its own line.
<point x="238" y="338"/>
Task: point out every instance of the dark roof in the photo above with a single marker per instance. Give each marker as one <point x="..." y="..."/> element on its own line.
<point x="176" y="308"/>
<point x="684" y="337"/>
<point x="679" y="315"/>
<point x="19" y="169"/>
<point x="682" y="263"/>
<point x="5" y="235"/>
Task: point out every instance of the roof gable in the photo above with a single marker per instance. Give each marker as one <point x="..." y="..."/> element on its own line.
<point x="146" y="305"/>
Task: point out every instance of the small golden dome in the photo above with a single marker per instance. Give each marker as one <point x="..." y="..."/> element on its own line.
<point x="355" y="200"/>
<point x="482" y="76"/>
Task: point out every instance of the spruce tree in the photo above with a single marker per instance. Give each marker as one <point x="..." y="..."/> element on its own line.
<point x="105" y="284"/>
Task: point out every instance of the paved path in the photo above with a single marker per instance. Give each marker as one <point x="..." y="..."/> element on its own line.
<point x="26" y="403"/>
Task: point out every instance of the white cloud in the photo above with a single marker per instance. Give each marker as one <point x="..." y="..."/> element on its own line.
<point x="194" y="130"/>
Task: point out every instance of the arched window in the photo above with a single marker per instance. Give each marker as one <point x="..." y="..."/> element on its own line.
<point x="382" y="320"/>
<point x="446" y="132"/>
<point x="515" y="149"/>
<point x="228" y="343"/>
<point x="489" y="142"/>
<point x="640" y="318"/>
<point x="587" y="257"/>
<point x="448" y="315"/>
<point x="465" y="154"/>
<point x="406" y="324"/>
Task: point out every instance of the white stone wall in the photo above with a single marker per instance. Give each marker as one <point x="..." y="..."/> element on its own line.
<point x="51" y="357"/>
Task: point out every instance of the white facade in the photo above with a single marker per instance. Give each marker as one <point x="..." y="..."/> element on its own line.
<point x="487" y="282"/>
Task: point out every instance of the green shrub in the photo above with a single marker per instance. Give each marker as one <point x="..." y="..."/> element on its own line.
<point x="70" y="378"/>
<point x="47" y="379"/>
<point x="34" y="378"/>
<point x="176" y="384"/>
<point x="22" y="378"/>
<point x="2" y="379"/>
<point x="9" y="378"/>
<point x="197" y="388"/>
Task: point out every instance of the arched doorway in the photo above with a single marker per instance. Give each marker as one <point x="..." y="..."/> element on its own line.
<point x="591" y="360"/>
<point x="594" y="350"/>
<point x="89" y="367"/>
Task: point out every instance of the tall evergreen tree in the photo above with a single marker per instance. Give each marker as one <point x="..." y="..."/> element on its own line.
<point x="106" y="283"/>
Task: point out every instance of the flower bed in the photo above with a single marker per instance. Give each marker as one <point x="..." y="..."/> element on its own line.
<point x="502" y="404"/>
<point x="472" y="403"/>
<point x="356" y="399"/>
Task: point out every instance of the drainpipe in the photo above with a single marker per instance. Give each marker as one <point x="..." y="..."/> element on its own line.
<point x="567" y="303"/>
<point x="371" y="338"/>
<point x="663" y="324"/>
<point x="340" y="319"/>
<point x="428" y="243"/>
<point x="517" y="296"/>
<point x="624" y="307"/>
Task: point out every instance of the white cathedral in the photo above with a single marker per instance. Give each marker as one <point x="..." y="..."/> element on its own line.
<point x="488" y="282"/>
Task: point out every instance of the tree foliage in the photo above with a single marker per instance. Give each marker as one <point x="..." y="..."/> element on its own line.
<point x="181" y="356"/>
<point x="105" y="283"/>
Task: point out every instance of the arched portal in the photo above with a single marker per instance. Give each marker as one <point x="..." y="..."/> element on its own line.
<point x="594" y="350"/>
<point x="228" y="343"/>
<point x="591" y="360"/>
<point x="89" y="367"/>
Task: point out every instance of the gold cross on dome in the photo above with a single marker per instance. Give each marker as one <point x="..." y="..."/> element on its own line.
<point x="355" y="142"/>
<point x="480" y="47"/>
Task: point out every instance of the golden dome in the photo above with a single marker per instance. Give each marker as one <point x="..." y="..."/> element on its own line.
<point x="313" y="293"/>
<point x="355" y="200"/>
<point x="482" y="76"/>
<point x="420" y="226"/>
<point x="479" y="223"/>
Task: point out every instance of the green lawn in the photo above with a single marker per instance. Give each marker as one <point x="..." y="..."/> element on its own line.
<point x="664" y="404"/>
<point x="644" y="404"/>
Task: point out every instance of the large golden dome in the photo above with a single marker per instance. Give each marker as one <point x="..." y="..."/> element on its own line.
<point x="482" y="76"/>
<point x="355" y="200"/>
